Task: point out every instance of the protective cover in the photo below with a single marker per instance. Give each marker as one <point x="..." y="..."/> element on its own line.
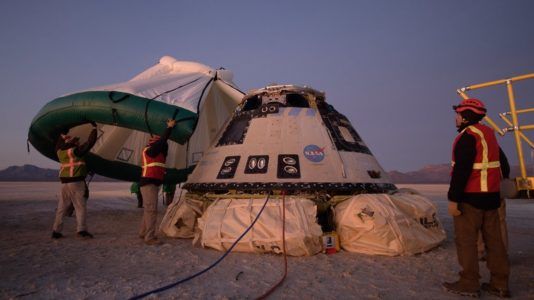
<point x="383" y="224"/>
<point x="198" y="97"/>
<point x="226" y="219"/>
<point x="180" y="218"/>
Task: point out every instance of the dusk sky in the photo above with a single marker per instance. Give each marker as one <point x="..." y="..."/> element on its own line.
<point x="392" y="67"/>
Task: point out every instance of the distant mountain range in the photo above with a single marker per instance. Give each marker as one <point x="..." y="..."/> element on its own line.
<point x="428" y="174"/>
<point x="33" y="173"/>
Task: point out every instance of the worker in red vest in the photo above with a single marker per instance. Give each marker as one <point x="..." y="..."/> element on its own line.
<point x="153" y="172"/>
<point x="72" y="173"/>
<point x="478" y="164"/>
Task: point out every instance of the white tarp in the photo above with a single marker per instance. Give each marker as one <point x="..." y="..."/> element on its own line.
<point x="226" y="219"/>
<point x="196" y="87"/>
<point x="180" y="83"/>
<point x="383" y="224"/>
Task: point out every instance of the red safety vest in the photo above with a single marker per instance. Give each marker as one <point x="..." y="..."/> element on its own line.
<point x="153" y="167"/>
<point x="486" y="174"/>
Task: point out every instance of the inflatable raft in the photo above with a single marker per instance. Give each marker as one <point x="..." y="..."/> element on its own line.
<point x="198" y="97"/>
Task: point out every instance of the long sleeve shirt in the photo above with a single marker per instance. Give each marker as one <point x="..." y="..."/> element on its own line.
<point x="154" y="150"/>
<point x="79" y="151"/>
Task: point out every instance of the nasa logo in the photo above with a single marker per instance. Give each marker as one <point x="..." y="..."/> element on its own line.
<point x="314" y="153"/>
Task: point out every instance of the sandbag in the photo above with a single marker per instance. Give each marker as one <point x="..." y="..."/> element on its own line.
<point x="226" y="219"/>
<point x="180" y="219"/>
<point x="382" y="224"/>
<point x="423" y="211"/>
<point x="418" y="208"/>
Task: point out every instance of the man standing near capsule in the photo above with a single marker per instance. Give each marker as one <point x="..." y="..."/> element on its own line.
<point x="153" y="172"/>
<point x="474" y="199"/>
<point x="73" y="187"/>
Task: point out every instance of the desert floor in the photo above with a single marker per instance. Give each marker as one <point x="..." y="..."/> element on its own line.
<point x="117" y="265"/>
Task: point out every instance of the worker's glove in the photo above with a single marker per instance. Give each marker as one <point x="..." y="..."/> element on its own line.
<point x="171" y="123"/>
<point x="453" y="209"/>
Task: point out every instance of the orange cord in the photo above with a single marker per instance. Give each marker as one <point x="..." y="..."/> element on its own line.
<point x="264" y="296"/>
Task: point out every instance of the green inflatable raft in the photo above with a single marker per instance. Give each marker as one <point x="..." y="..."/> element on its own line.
<point x="115" y="109"/>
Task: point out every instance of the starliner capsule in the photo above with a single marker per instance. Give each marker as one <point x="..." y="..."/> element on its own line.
<point x="286" y="137"/>
<point x="288" y="171"/>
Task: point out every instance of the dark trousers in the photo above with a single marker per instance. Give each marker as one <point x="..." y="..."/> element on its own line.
<point x="466" y="228"/>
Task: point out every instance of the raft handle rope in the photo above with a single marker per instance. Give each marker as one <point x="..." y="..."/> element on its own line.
<point x="264" y="296"/>
<point x="164" y="288"/>
<point x="176" y="111"/>
<point x="158" y="95"/>
<point x="146" y="117"/>
<point x="176" y="88"/>
<point x="115" y="115"/>
<point x="110" y="96"/>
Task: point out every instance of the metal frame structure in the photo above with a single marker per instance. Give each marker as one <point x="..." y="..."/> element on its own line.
<point x="524" y="184"/>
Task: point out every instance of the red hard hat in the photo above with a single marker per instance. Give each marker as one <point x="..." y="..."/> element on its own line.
<point x="471" y="104"/>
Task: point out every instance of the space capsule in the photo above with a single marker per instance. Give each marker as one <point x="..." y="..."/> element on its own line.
<point x="287" y="148"/>
<point x="287" y="137"/>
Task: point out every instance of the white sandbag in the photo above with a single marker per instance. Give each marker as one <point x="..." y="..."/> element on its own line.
<point x="400" y="224"/>
<point x="226" y="219"/>
<point x="423" y="211"/>
<point x="417" y="207"/>
<point x="180" y="219"/>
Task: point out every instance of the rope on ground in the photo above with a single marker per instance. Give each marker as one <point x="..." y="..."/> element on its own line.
<point x="161" y="289"/>
<point x="264" y="296"/>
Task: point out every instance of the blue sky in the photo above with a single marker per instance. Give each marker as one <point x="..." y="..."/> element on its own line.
<point x="392" y="67"/>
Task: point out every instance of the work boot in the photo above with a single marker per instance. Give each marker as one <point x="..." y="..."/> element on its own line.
<point x="56" y="235"/>
<point x="461" y="288"/>
<point x="501" y="293"/>
<point x="153" y="242"/>
<point x="84" y="235"/>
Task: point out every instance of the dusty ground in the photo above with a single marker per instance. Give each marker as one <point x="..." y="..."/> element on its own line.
<point x="116" y="265"/>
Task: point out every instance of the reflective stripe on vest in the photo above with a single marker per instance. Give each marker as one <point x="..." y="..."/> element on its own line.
<point x="153" y="167"/>
<point x="484" y="165"/>
<point x="73" y="161"/>
<point x="479" y="166"/>
<point x="491" y="164"/>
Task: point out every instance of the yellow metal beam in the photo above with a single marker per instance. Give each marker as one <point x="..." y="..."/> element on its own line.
<point x="462" y="93"/>
<point x="496" y="82"/>
<point x="520" y="111"/>
<point x="524" y="137"/>
<point x="515" y="124"/>
<point x="523" y="182"/>
<point x="493" y="125"/>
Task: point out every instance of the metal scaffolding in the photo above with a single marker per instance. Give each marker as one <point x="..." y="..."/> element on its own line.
<point x="524" y="183"/>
